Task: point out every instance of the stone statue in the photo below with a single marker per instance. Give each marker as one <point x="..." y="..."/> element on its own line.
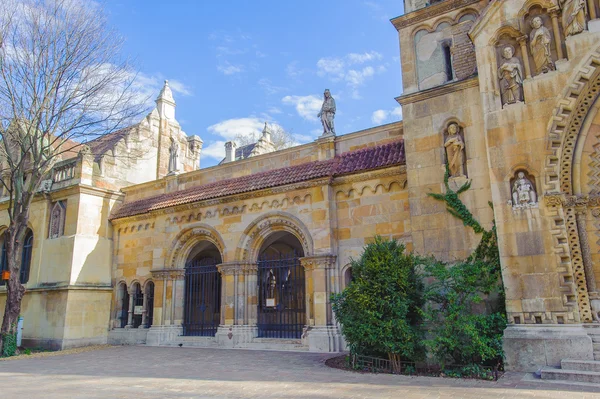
<point x="173" y="153"/>
<point x="539" y="41"/>
<point x="511" y="77"/>
<point x="523" y="191"/>
<point x="573" y="16"/>
<point x="455" y="147"/>
<point x="327" y="114"/>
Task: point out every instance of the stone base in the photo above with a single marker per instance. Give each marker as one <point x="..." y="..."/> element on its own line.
<point x="235" y="336"/>
<point x="163" y="335"/>
<point x="323" y="339"/>
<point x="127" y="336"/>
<point x="61" y="344"/>
<point x="531" y="347"/>
<point x="594" y="25"/>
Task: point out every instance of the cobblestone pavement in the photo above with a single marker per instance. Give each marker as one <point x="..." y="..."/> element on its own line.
<point x="149" y="372"/>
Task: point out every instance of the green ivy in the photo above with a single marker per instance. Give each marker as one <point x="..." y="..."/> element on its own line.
<point x="9" y="344"/>
<point x="465" y="301"/>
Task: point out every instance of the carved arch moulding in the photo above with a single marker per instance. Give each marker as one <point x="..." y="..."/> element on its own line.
<point x="187" y="239"/>
<point x="564" y="130"/>
<point x="256" y="233"/>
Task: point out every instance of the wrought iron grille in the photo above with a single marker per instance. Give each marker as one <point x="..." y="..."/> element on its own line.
<point x="124" y="313"/>
<point x="202" y="310"/>
<point x="281" y="304"/>
<point x="149" y="305"/>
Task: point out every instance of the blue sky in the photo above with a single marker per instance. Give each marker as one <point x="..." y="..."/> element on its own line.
<point x="234" y="64"/>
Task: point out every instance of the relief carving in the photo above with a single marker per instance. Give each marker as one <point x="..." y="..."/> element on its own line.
<point x="573" y="16"/>
<point x="455" y="150"/>
<point x="540" y="40"/>
<point x="523" y="192"/>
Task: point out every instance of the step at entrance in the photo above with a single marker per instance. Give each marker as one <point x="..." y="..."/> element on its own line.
<point x="587" y="371"/>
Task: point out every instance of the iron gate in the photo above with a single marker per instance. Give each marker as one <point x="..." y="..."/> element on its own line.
<point x="281" y="305"/>
<point x="138" y="307"/>
<point x="202" y="309"/>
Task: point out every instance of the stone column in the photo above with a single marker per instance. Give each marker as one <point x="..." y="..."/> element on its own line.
<point x="322" y="334"/>
<point x="251" y="293"/>
<point x="163" y="317"/>
<point x="130" y="311"/>
<point x="556" y="30"/>
<point x="178" y="276"/>
<point x="144" y="310"/>
<point x="229" y="273"/>
<point x="588" y="264"/>
<point x="523" y="43"/>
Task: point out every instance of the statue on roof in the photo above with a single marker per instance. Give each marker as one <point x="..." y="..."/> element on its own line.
<point x="173" y="153"/>
<point x="327" y="114"/>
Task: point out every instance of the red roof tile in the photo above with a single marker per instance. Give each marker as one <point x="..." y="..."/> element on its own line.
<point x="101" y="145"/>
<point x="349" y="162"/>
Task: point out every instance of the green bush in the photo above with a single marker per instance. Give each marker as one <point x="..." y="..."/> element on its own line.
<point x="10" y="345"/>
<point x="379" y="310"/>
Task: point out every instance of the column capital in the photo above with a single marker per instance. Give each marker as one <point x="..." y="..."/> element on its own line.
<point x="230" y="268"/>
<point x="326" y="261"/>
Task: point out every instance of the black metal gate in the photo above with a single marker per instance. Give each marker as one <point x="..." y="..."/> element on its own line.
<point x="202" y="310"/>
<point x="138" y="306"/>
<point x="281" y="304"/>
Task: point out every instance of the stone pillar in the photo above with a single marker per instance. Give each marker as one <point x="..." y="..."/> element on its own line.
<point x="523" y="43"/>
<point x="177" y="296"/>
<point x="322" y="334"/>
<point x="144" y="310"/>
<point x="585" y="250"/>
<point x="163" y="317"/>
<point x="554" y="15"/>
<point x="130" y="311"/>
<point x="238" y="304"/>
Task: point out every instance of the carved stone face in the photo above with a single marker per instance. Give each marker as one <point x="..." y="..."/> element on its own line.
<point x="452" y="129"/>
<point x="521" y="175"/>
<point x="536" y="22"/>
<point x="507" y="52"/>
<point x="327" y="93"/>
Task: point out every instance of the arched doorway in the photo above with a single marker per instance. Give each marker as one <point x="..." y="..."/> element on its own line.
<point x="281" y="287"/>
<point x="202" y="303"/>
<point x="123" y="305"/>
<point x="138" y="305"/>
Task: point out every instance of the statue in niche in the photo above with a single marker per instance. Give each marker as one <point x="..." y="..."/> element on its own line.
<point x="327" y="114"/>
<point x="573" y="16"/>
<point x="455" y="148"/>
<point x="523" y="192"/>
<point x="539" y="41"/>
<point x="511" y="77"/>
<point x="173" y="153"/>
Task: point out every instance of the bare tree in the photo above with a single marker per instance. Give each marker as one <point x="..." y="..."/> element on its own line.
<point x="62" y="84"/>
<point x="280" y="138"/>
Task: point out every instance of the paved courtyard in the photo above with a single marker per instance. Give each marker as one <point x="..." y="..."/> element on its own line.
<point x="148" y="372"/>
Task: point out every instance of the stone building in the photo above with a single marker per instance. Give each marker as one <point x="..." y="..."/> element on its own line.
<point x="245" y="254"/>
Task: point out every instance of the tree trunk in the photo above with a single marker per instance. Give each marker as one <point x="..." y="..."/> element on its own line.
<point x="14" y="289"/>
<point x="396" y="363"/>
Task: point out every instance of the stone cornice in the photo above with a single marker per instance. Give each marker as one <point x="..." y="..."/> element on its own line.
<point x="66" y="287"/>
<point x="438" y="91"/>
<point x="428" y="12"/>
<point x="565" y="200"/>
<point x="326" y="261"/>
<point x="374" y="174"/>
<point x="168" y="273"/>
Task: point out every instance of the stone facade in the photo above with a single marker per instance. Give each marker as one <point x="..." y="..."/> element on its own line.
<point x="505" y="92"/>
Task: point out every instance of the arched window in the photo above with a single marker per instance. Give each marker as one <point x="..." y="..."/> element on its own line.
<point x="26" y="257"/>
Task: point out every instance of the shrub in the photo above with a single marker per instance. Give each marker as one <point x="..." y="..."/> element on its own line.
<point x="379" y="310"/>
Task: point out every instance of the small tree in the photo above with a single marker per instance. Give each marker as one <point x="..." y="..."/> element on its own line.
<point x="379" y="310"/>
<point x="62" y="83"/>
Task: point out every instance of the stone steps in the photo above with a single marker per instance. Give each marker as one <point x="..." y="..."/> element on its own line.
<point x="587" y="371"/>
<point x="276" y="344"/>
<point x="195" y="342"/>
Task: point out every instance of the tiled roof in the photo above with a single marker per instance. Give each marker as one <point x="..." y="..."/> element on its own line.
<point x="349" y="162"/>
<point x="107" y="142"/>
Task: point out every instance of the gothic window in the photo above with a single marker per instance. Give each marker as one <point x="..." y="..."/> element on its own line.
<point x="57" y="219"/>
<point x="26" y="257"/>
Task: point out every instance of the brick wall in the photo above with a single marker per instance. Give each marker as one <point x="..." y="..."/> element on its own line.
<point x="463" y="52"/>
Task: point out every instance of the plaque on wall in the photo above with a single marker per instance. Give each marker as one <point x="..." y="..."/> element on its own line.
<point x="137" y="309"/>
<point x="271" y="302"/>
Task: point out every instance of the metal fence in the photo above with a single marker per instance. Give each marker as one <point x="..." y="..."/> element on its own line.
<point x="202" y="307"/>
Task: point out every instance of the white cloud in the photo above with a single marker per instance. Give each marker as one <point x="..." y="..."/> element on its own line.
<point x="274" y="110"/>
<point x="355" y="58"/>
<point x="340" y="68"/>
<point x="292" y="70"/>
<point x="180" y="88"/>
<point x="229" y="69"/>
<point x="307" y="106"/>
<point x="269" y="87"/>
<point x="230" y="128"/>
<point x="214" y="150"/>
<point x="381" y="115"/>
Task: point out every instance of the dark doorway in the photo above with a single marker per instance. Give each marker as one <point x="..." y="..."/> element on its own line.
<point x="281" y="285"/>
<point x="202" y="307"/>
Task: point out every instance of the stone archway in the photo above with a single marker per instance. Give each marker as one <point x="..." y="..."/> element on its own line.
<point x="258" y="232"/>
<point x="566" y="207"/>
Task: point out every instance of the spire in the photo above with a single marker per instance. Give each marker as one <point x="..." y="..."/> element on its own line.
<point x="165" y="104"/>
<point x="166" y="94"/>
<point x="266" y="133"/>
